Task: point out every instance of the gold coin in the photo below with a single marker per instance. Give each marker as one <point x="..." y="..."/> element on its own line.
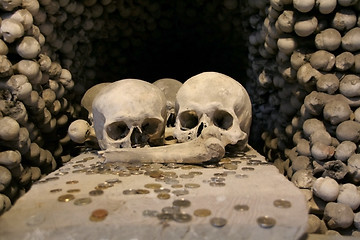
<point x="168" y="174"/>
<point x="217" y="184"/>
<point x="72" y="182"/>
<point x="98" y="215"/>
<point x="195" y="173"/>
<point x="153" y="185"/>
<point x="177" y="186"/>
<point x="142" y="191"/>
<point x="225" y="160"/>
<point x="113" y="180"/>
<point x="129" y="191"/>
<point x="66" y="198"/>
<point x="282" y="203"/>
<point x="186" y="176"/>
<point x="181" y="203"/>
<point x="192" y="185"/>
<point x="266" y="222"/>
<point x="155" y="174"/>
<point x="241" y="207"/>
<point x="163" y="196"/>
<point x="218" y="222"/>
<point x="51" y="178"/>
<point x="55" y="190"/>
<point x="202" y="212"/>
<point x="220" y="174"/>
<point x="82" y="201"/>
<point x="104" y="185"/>
<point x="96" y="192"/>
<point x="73" y="190"/>
<point x="230" y="166"/>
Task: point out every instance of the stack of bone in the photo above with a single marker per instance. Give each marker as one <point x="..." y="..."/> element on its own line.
<point x="52" y="51"/>
<point x="305" y="64"/>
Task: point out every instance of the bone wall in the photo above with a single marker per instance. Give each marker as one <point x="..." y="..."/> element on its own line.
<point x="300" y="58"/>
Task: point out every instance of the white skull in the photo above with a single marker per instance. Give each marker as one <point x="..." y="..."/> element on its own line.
<point x="214" y="101"/>
<point x="170" y="87"/>
<point x="129" y="113"/>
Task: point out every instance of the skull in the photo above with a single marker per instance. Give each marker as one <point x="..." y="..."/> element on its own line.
<point x="215" y="102"/>
<point x="129" y="113"/>
<point x="170" y="87"/>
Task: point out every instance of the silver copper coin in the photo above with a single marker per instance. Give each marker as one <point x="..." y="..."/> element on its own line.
<point x="82" y="201"/>
<point x="266" y="222"/>
<point x="182" y="217"/>
<point x="96" y="192"/>
<point x="282" y="203"/>
<point x="218" y="222"/>
<point x="192" y="185"/>
<point x="181" y="203"/>
<point x="180" y="192"/>
<point x="150" y="213"/>
<point x="241" y="176"/>
<point x="247" y="168"/>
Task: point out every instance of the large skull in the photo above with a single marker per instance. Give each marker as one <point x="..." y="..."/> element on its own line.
<point x="213" y="100"/>
<point x="129" y="113"/>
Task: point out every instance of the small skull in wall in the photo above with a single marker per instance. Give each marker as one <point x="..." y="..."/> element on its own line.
<point x="129" y="113"/>
<point x="213" y="100"/>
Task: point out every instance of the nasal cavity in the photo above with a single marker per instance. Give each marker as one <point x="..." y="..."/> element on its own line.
<point x="136" y="138"/>
<point x="201" y="127"/>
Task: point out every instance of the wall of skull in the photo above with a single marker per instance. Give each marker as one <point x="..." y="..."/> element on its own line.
<point x="301" y="59"/>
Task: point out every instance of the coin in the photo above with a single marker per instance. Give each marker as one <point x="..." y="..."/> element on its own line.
<point x="192" y="185"/>
<point x="195" y="173"/>
<point x="202" y="212"/>
<point x="241" y="176"/>
<point x="182" y="217"/>
<point x="230" y="172"/>
<point x="66" y="198"/>
<point x="282" y="203"/>
<point x="51" y="178"/>
<point x="181" y="203"/>
<point x="162" y="190"/>
<point x="230" y="166"/>
<point x="61" y="173"/>
<point x="155" y="174"/>
<point x="218" y="222"/>
<point x="142" y="191"/>
<point x="165" y="216"/>
<point x="241" y="207"/>
<point x="180" y="192"/>
<point x="104" y="185"/>
<point x="96" y="192"/>
<point x="129" y="191"/>
<point x="217" y="184"/>
<point x="266" y="222"/>
<point x="82" y="201"/>
<point x="163" y="196"/>
<point x="247" y="168"/>
<point x="167" y="174"/>
<point x="98" y="215"/>
<point x="73" y="190"/>
<point x="113" y="180"/>
<point x="150" y="213"/>
<point x="225" y="160"/>
<point x="152" y="185"/>
<point x="186" y="176"/>
<point x="55" y="190"/>
<point x="88" y="158"/>
<point x="170" y="210"/>
<point x="217" y="179"/>
<point x="220" y="174"/>
<point x="177" y="186"/>
<point x="72" y="182"/>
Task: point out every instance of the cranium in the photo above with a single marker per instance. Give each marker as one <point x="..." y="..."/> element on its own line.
<point x="212" y="99"/>
<point x="129" y="113"/>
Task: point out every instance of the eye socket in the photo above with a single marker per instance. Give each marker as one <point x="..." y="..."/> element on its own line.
<point x="150" y="126"/>
<point x="222" y="119"/>
<point x="117" y="130"/>
<point x="188" y="120"/>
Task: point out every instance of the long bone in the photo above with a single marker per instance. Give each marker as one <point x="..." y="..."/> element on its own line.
<point x="204" y="148"/>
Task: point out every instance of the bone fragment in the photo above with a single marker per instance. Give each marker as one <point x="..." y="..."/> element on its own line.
<point x="338" y="215"/>
<point x="326" y="188"/>
<point x="195" y="151"/>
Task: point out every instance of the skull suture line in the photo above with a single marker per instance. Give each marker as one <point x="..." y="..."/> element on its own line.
<point x="129" y="113"/>
<point x="213" y="100"/>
